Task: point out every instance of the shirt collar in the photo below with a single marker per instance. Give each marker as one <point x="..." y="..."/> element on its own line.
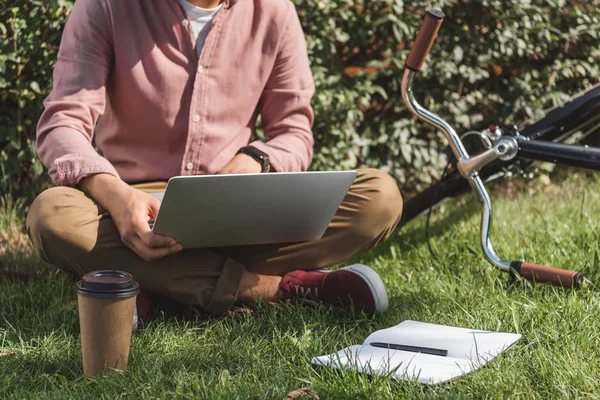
<point x="226" y="3"/>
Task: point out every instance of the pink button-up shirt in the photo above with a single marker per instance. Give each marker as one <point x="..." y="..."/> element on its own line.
<point x="128" y="68"/>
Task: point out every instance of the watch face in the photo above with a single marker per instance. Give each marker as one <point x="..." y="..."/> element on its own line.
<point x="257" y="152"/>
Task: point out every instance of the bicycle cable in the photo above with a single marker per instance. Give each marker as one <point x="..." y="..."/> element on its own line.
<point x="487" y="144"/>
<point x="427" y="224"/>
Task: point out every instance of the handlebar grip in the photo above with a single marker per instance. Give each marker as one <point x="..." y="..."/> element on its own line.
<point x="544" y="274"/>
<point x="429" y="29"/>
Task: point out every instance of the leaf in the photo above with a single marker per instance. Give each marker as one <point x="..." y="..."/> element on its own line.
<point x="10" y="354"/>
<point x="35" y="87"/>
<point x="458" y="54"/>
<point x="303" y="393"/>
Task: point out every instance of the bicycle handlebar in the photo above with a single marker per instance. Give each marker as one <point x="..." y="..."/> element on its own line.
<point x="544" y="274"/>
<point x="425" y="38"/>
<point x="427" y="33"/>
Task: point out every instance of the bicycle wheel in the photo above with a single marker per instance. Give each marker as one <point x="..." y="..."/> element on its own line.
<point x="580" y="117"/>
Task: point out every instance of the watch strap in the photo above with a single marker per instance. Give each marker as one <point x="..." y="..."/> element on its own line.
<point x="260" y="156"/>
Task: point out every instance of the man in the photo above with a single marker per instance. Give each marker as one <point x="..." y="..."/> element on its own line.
<point x="174" y="88"/>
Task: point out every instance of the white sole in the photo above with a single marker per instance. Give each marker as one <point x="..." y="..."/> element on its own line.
<point x="374" y="283"/>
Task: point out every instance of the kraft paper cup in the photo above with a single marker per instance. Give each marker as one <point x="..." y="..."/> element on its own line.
<point x="106" y="307"/>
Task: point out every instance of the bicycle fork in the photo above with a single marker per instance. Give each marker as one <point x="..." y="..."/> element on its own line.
<point x="504" y="148"/>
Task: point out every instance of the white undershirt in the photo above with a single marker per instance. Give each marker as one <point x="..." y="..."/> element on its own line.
<point x="200" y="21"/>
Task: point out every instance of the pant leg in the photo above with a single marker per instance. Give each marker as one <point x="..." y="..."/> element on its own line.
<point x="70" y="231"/>
<point x="367" y="216"/>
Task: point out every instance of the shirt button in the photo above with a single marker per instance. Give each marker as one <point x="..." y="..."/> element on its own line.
<point x="185" y="23"/>
<point x="200" y="68"/>
<point x="196" y="118"/>
<point x="189" y="166"/>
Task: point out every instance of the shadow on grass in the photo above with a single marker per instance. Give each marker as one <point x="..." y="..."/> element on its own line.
<point x="22" y="266"/>
<point x="60" y="367"/>
<point x="412" y="234"/>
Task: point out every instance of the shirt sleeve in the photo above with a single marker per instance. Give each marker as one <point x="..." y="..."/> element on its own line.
<point x="286" y="114"/>
<point x="66" y="126"/>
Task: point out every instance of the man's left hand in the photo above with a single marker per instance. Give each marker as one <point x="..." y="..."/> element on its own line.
<point x="241" y="164"/>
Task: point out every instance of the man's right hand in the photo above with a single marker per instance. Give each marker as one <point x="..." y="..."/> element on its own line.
<point x="131" y="209"/>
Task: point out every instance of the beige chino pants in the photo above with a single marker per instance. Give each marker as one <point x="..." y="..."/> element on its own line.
<point x="70" y="231"/>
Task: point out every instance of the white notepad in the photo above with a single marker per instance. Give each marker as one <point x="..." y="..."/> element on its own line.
<point x="465" y="350"/>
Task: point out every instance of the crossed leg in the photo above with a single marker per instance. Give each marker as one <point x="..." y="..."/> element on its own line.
<point x="70" y="231"/>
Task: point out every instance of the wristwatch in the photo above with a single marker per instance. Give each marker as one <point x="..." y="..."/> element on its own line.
<point x="258" y="155"/>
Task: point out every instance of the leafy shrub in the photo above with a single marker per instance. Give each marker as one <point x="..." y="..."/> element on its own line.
<point x="30" y="32"/>
<point x="494" y="62"/>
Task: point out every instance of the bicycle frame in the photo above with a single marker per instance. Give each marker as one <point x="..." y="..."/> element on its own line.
<point x="505" y="148"/>
<point x="576" y="156"/>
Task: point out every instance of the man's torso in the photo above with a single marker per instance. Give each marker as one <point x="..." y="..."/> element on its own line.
<point x="193" y="114"/>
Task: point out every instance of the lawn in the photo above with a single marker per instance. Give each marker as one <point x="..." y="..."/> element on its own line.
<point x="264" y="352"/>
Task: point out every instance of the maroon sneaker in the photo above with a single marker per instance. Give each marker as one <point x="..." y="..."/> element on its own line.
<point x="143" y="309"/>
<point x="356" y="286"/>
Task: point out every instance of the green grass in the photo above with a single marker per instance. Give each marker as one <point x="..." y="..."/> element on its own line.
<point x="264" y="352"/>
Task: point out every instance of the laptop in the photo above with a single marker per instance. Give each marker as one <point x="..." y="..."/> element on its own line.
<point x="249" y="209"/>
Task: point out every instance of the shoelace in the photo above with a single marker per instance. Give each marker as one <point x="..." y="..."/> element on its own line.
<point x="302" y="292"/>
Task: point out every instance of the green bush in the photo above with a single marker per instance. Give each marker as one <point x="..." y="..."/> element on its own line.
<point x="495" y="62"/>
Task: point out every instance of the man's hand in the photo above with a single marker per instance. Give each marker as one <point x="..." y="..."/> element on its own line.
<point x="131" y="209"/>
<point x="241" y="164"/>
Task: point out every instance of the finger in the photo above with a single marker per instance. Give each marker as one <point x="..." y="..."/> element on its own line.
<point x="140" y="249"/>
<point x="154" y="206"/>
<point x="153" y="240"/>
<point x="142" y="229"/>
<point x="151" y="254"/>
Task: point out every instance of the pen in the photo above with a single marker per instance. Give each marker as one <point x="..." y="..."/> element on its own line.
<point x="414" y="349"/>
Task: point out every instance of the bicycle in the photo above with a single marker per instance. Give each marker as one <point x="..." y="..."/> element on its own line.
<point x="502" y="149"/>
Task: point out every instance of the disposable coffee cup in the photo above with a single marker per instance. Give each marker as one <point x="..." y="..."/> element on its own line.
<point x="106" y="306"/>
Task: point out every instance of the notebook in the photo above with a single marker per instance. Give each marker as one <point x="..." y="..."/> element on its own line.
<point x="422" y="352"/>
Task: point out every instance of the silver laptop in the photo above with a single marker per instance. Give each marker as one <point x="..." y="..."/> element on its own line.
<point x="230" y="210"/>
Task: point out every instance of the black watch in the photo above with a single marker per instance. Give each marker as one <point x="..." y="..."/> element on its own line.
<point x="258" y="155"/>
